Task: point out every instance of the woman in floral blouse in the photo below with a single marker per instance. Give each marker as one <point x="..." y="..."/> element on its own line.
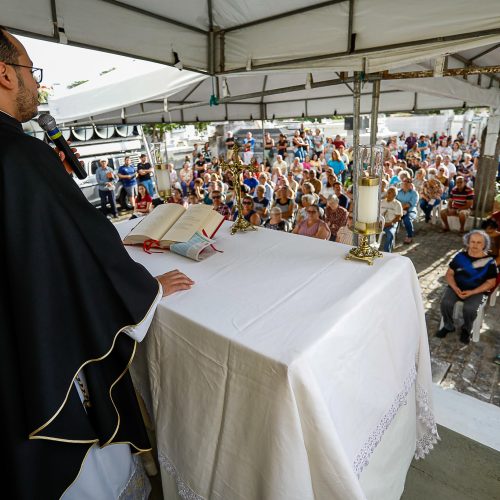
<point x="432" y="190"/>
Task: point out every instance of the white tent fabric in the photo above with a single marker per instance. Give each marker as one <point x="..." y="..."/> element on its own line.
<point x="261" y="46"/>
<point x="229" y="35"/>
<point x="142" y="102"/>
<point x="115" y="91"/>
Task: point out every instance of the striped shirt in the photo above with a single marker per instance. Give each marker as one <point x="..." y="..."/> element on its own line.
<point x="459" y="199"/>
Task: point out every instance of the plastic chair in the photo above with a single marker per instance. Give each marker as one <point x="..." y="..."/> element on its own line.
<point x="493" y="296"/>
<point x="458" y="317"/>
<point x="436" y="213"/>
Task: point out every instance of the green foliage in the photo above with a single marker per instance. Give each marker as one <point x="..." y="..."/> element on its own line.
<point x="107" y="71"/>
<point x="76" y="83"/>
<point x="201" y="126"/>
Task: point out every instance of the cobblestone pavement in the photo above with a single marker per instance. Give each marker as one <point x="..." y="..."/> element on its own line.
<point x="468" y="369"/>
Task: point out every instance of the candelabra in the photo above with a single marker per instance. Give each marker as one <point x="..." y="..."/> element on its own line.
<point x="236" y="167"/>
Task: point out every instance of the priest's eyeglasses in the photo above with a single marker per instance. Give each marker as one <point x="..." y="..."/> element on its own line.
<point x="37" y="73"/>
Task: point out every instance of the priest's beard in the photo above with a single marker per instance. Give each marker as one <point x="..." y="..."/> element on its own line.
<point x="26" y="102"/>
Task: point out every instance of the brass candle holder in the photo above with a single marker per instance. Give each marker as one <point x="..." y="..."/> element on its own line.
<point x="367" y="175"/>
<point x="236" y="168"/>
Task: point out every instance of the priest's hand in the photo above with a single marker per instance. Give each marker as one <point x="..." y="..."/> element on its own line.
<point x="174" y="281"/>
<point x="62" y="157"/>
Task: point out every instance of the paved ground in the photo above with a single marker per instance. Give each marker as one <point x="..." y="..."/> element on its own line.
<point x="468" y="369"/>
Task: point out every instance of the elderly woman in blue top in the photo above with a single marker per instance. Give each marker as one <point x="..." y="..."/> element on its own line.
<point x="471" y="275"/>
<point x="408" y="197"/>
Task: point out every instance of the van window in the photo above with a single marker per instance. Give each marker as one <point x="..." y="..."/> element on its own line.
<point x="94" y="165"/>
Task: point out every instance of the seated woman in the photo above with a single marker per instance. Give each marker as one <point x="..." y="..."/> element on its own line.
<point x="335" y="216"/>
<point x="307" y="200"/>
<point x="143" y="202"/>
<point x="471" y="275"/>
<point x="248" y="211"/>
<point x="285" y="202"/>
<point x="313" y="225"/>
<point x="430" y="196"/>
<point x="177" y="198"/>
<point x="276" y="222"/>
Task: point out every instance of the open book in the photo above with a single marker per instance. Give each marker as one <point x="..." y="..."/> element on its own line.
<point x="171" y="223"/>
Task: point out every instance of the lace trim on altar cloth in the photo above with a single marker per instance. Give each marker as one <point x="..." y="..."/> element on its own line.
<point x="185" y="492"/>
<point x="430" y="437"/>
<point x="363" y="457"/>
<point x="424" y="444"/>
<point x="138" y="486"/>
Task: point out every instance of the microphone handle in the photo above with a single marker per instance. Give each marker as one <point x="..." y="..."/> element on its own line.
<point x="57" y="138"/>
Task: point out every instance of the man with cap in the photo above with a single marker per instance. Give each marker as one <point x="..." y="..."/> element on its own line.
<point x="106" y="180"/>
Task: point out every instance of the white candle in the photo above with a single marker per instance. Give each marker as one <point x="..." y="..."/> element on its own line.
<point x="367" y="204"/>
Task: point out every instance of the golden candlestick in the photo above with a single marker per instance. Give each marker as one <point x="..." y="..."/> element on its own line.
<point x="367" y="173"/>
<point x="236" y="168"/>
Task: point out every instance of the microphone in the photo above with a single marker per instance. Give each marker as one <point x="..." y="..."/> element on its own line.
<point x="48" y="124"/>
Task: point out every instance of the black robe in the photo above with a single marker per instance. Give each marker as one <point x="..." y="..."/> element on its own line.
<point x="69" y="287"/>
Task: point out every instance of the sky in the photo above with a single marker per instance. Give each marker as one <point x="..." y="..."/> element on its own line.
<point x="63" y="64"/>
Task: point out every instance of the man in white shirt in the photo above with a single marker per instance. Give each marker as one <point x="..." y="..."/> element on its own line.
<point x="281" y="164"/>
<point x="452" y="169"/>
<point x="392" y="211"/>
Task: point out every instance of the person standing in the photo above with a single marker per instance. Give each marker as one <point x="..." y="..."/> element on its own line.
<point x="128" y="175"/>
<point x="77" y="305"/>
<point x="145" y="174"/>
<point x="106" y="181"/>
<point x="248" y="148"/>
<point x="229" y="143"/>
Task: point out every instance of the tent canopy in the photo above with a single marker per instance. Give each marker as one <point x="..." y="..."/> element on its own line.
<point x="218" y="36"/>
<point x="266" y="50"/>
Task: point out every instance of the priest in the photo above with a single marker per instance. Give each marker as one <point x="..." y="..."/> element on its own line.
<point x="74" y="305"/>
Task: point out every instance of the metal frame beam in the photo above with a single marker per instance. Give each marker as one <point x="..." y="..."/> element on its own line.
<point x="415" y="43"/>
<point x="275" y="17"/>
<point x="468" y="62"/>
<point x="105" y="121"/>
<point x="38" y="36"/>
<point x="484" y="52"/>
<point x="148" y="13"/>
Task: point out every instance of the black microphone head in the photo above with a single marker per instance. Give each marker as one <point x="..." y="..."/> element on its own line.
<point x="47" y="122"/>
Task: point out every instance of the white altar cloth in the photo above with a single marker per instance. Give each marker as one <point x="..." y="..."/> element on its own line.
<point x="278" y="373"/>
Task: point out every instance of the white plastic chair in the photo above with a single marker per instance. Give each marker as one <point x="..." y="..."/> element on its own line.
<point x="436" y="213"/>
<point x="458" y="317"/>
<point x="493" y="296"/>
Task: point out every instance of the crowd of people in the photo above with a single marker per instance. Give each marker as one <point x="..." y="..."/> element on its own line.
<point x="311" y="170"/>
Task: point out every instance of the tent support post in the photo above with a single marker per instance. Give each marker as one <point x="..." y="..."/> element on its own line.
<point x="355" y="120"/>
<point x="374" y="114"/>
<point x="146" y="145"/>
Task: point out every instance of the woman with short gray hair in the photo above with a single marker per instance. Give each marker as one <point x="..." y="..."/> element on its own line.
<point x="471" y="275"/>
<point x="335" y="215"/>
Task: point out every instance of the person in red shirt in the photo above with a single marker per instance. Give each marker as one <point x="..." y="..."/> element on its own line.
<point x="143" y="202"/>
<point x="338" y="142"/>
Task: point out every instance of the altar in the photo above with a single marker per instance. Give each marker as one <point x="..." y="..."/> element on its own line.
<point x="286" y="372"/>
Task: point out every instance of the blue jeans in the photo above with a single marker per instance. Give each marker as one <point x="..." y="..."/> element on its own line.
<point x="148" y="184"/>
<point x="427" y="208"/>
<point x="108" y="197"/>
<point x="408" y="219"/>
<point x="390" y="234"/>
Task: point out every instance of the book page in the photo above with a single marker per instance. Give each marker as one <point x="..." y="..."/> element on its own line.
<point x="154" y="225"/>
<point x="190" y="222"/>
<point x="212" y="223"/>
